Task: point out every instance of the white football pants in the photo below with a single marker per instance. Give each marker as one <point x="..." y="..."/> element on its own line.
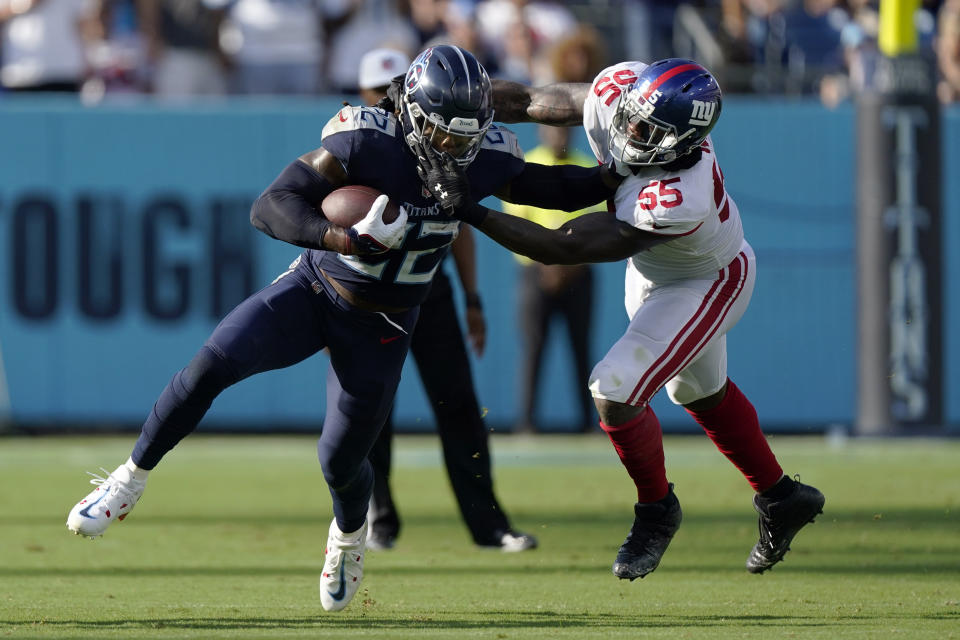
<point x="676" y="336"/>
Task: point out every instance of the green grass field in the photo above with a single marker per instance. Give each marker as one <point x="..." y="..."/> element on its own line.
<point x="227" y="542"/>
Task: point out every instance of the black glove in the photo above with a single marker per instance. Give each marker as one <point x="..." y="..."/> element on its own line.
<point x="447" y="182"/>
<point x="391" y="101"/>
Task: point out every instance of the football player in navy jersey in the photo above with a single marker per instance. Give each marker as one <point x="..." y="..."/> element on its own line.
<point x="354" y="291"/>
<point x="440" y="352"/>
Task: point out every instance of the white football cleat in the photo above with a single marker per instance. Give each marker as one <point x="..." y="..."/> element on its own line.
<point x="112" y="500"/>
<point x="514" y="541"/>
<point x="343" y="567"/>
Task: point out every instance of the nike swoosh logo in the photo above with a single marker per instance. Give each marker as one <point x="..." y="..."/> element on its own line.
<point x="342" y="119"/>
<point x="86" y="512"/>
<point x="389" y="340"/>
<point x="342" y="591"/>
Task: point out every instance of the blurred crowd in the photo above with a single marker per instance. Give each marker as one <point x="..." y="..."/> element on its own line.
<point x="176" y="48"/>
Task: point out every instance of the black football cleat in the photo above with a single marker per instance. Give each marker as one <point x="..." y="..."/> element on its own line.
<point x="653" y="528"/>
<point x="780" y="520"/>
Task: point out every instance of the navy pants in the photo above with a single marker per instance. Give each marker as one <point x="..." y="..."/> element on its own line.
<point x="290" y="320"/>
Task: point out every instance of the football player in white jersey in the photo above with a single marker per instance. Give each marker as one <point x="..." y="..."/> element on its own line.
<point x="689" y="277"/>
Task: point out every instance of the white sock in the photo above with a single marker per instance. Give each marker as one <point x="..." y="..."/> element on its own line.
<point x="140" y="475"/>
<point x="353" y="536"/>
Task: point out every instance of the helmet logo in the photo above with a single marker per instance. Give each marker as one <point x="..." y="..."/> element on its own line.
<point x="415" y="73"/>
<point x="702" y="112"/>
<point x="413" y="77"/>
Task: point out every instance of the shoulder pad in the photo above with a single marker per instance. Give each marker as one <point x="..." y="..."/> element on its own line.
<point x="356" y="118"/>
<point x="502" y="139"/>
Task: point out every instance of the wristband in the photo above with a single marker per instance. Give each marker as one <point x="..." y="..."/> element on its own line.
<point x="472" y="301"/>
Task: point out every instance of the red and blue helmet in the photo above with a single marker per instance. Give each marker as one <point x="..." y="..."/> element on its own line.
<point x="665" y="114"/>
<point x="447" y="102"/>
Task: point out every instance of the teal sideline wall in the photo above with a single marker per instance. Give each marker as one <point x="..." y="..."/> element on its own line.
<point x="173" y="183"/>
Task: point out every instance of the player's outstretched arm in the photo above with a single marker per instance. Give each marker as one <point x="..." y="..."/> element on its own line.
<point x="559" y="104"/>
<point x="592" y="237"/>
<point x="567" y="187"/>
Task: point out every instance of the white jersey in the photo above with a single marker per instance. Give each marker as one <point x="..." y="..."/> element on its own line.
<point x="691" y="204"/>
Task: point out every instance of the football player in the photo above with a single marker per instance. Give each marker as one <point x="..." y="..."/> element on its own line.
<point x="689" y="277"/>
<point x="438" y="348"/>
<point x="354" y="291"/>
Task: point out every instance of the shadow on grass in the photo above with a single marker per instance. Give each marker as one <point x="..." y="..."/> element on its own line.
<point x="917" y="518"/>
<point x="848" y="562"/>
<point x="364" y="618"/>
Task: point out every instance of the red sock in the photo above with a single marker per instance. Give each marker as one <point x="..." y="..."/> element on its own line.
<point x="734" y="428"/>
<point x="639" y="443"/>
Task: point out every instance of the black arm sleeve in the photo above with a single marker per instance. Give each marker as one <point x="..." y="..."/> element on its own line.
<point x="566" y="187"/>
<point x="288" y="209"/>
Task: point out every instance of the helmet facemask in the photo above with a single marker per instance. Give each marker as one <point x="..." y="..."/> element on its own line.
<point x="460" y="138"/>
<point x="637" y="138"/>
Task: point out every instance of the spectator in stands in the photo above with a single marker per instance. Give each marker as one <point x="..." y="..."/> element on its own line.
<point x="277" y="46"/>
<point x="438" y="348"/>
<point x="648" y="29"/>
<point x="118" y="60"/>
<point x="44" y="43"/>
<point x="812" y="31"/>
<point x="365" y="25"/>
<point x="518" y="31"/>
<point x="948" y="51"/>
<point x="460" y="29"/>
<point x="377" y="68"/>
<point x="427" y="18"/>
<point x="183" y="46"/>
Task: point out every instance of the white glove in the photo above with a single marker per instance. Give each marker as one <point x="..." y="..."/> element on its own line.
<point x="373" y="235"/>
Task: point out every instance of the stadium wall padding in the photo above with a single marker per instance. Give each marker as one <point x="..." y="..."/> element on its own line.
<point x="125" y="238"/>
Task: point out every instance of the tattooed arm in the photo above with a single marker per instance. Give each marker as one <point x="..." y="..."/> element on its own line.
<point x="559" y="104"/>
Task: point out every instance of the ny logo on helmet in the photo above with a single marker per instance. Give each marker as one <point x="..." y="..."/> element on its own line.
<point x="702" y="112"/>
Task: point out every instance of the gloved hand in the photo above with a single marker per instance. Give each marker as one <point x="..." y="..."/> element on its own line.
<point x="391" y="102"/>
<point x="444" y="179"/>
<point x="372" y="235"/>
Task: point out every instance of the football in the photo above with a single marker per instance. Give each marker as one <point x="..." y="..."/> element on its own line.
<point x="348" y="205"/>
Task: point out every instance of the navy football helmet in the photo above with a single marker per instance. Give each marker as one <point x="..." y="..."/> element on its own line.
<point x="665" y="114"/>
<point x="447" y="103"/>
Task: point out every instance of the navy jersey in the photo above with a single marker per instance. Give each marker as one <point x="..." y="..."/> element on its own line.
<point x="369" y="144"/>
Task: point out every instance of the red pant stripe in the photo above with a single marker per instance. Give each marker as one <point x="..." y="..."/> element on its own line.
<point x="696" y="333"/>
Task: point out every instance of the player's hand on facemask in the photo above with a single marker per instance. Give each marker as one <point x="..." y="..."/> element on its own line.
<point x="444" y="179"/>
<point x="372" y="235"/>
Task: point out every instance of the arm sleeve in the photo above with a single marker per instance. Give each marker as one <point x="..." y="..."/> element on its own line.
<point x="288" y="209"/>
<point x="565" y="187"/>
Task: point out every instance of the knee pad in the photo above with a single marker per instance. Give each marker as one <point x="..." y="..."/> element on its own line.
<point x="685" y="392"/>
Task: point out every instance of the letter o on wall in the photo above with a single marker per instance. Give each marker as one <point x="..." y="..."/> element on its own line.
<point x="35" y="251"/>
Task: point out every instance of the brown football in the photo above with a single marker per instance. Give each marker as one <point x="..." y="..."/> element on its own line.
<point x="348" y="205"/>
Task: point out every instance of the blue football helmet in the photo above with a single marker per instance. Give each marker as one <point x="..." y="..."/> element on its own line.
<point x="447" y="102"/>
<point x="665" y="114"/>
